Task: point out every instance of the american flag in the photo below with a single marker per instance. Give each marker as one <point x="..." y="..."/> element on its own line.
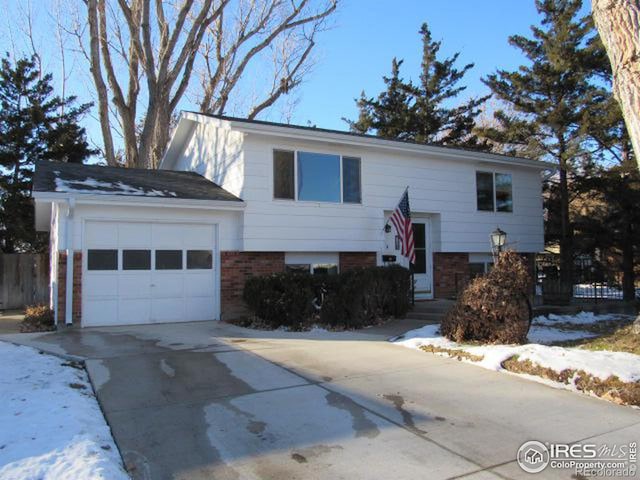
<point x="401" y="219"/>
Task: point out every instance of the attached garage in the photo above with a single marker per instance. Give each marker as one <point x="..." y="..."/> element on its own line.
<point x="148" y="273"/>
<point x="139" y="249"/>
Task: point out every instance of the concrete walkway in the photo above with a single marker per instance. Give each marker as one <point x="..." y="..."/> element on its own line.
<point x="209" y="400"/>
<point x="10" y="321"/>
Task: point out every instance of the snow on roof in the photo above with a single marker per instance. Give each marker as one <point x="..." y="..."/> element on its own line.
<point x="93" y="186"/>
<point x="98" y="180"/>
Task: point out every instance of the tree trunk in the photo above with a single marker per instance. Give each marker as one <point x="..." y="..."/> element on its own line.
<point x="618" y="22"/>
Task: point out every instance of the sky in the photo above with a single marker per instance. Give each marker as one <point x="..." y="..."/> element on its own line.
<point x="356" y="53"/>
<point x="353" y="54"/>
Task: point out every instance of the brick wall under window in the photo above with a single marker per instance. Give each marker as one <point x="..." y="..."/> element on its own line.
<point x="450" y="273"/>
<point x="76" y="313"/>
<point x="235" y="269"/>
<point x="351" y="260"/>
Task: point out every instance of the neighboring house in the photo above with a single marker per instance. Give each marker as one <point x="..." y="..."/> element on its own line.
<point x="235" y="198"/>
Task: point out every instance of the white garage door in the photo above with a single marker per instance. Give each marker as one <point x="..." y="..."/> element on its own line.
<point x="137" y="273"/>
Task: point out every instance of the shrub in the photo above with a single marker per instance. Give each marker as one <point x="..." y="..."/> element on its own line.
<point x="494" y="308"/>
<point x="352" y="299"/>
<point x="38" y="318"/>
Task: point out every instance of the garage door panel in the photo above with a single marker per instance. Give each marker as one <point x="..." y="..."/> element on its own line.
<point x="198" y="236"/>
<point x="168" y="310"/>
<point x="100" y="312"/>
<point x="167" y="236"/>
<point x="170" y="285"/>
<point x="135" y="285"/>
<point x="134" y="235"/>
<point x="134" y="311"/>
<point x="101" y="285"/>
<point x="201" y="308"/>
<point x="199" y="285"/>
<point x="100" y="234"/>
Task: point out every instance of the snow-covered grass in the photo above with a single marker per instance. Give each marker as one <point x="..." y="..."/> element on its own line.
<point x="51" y="426"/>
<point x="600" y="366"/>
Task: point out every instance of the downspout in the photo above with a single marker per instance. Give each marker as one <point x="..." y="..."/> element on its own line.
<point x="68" y="311"/>
<point x="54" y="259"/>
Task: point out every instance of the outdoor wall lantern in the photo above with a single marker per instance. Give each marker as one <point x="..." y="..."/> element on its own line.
<point x="498" y="239"/>
<point x="387" y="228"/>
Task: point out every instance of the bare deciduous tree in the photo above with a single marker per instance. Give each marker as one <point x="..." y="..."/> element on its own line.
<point x="618" y="22"/>
<point x="142" y="54"/>
<point x="287" y="29"/>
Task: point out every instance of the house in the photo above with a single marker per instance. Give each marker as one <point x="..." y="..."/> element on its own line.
<point x="235" y="198"/>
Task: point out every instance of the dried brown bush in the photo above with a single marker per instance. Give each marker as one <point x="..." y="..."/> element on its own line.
<point x="37" y="318"/>
<point x="494" y="308"/>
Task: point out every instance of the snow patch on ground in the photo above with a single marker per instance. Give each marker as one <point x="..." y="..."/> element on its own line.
<point x="547" y="335"/>
<point x="582" y="318"/>
<point x="97" y="187"/>
<point x="601" y="364"/>
<point x="49" y="429"/>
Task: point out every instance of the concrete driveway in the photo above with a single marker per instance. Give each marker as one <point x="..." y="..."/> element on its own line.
<point x="209" y="400"/>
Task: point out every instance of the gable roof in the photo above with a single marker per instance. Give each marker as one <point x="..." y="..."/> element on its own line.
<point x="74" y="178"/>
<point x="189" y="118"/>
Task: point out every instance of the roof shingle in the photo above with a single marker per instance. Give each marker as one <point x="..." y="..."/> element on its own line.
<point x="97" y="180"/>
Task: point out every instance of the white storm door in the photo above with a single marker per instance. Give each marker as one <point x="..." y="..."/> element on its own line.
<point x="422" y="267"/>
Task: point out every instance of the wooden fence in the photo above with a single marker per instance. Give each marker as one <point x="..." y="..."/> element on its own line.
<point x="24" y="280"/>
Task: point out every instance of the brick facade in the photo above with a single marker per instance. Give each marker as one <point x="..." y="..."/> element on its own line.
<point x="76" y="314"/>
<point x="450" y="273"/>
<point x="351" y="260"/>
<point x="235" y="269"/>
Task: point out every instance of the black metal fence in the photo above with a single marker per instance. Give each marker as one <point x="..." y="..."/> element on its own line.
<point x="590" y="283"/>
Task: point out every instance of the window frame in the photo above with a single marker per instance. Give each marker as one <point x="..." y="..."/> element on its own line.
<point x="273" y="173"/>
<point x="493" y="174"/>
<point x="151" y="259"/>
<point x="118" y="260"/>
<point x="296" y="192"/>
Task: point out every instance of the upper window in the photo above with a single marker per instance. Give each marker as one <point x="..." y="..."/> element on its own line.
<point x="494" y="192"/>
<point x="316" y="177"/>
<point x="351" y="180"/>
<point x="283" y="179"/>
<point x="504" y="196"/>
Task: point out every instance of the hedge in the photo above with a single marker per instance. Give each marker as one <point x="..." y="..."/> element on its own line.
<point x="353" y="299"/>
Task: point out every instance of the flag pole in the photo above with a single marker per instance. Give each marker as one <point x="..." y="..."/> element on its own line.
<point x="405" y="191"/>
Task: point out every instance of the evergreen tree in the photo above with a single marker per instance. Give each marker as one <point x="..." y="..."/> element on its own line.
<point x="422" y="112"/>
<point x="35" y="125"/>
<point x="390" y="116"/>
<point x="551" y="96"/>
<point x="608" y="188"/>
<point x="606" y="218"/>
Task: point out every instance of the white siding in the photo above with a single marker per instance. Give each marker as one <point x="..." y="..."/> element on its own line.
<point x="441" y="188"/>
<point x="215" y="153"/>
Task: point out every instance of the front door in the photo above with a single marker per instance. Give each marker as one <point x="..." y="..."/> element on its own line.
<point x="422" y="268"/>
